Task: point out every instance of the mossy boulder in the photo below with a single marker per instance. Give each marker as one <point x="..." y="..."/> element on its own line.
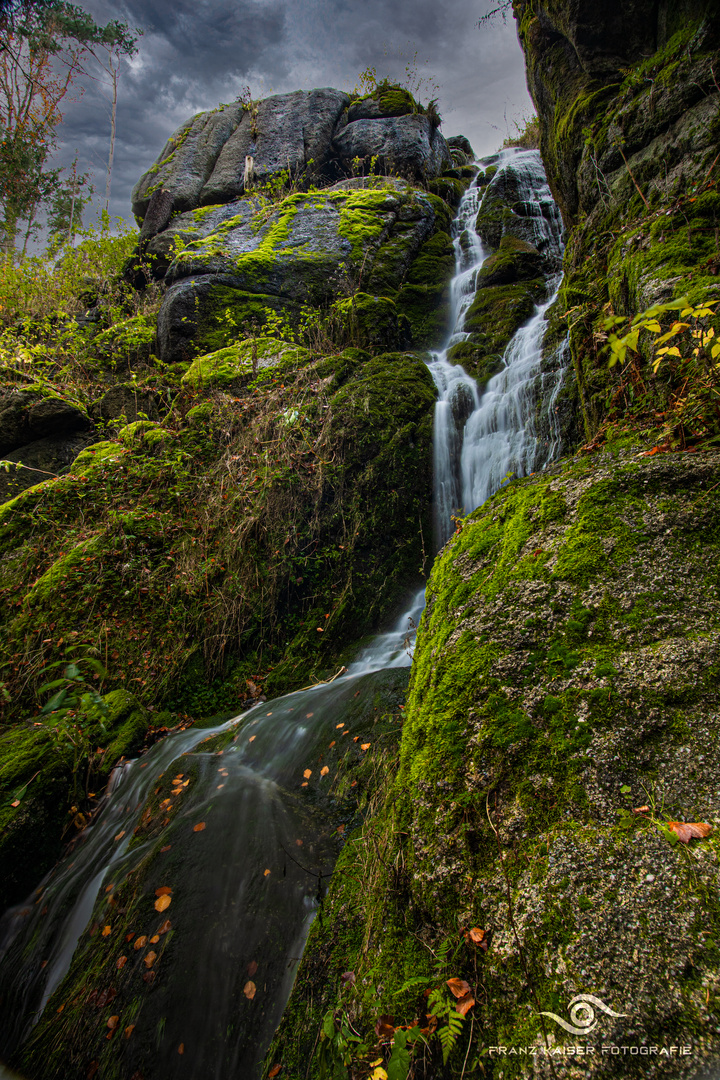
<point x="45" y="766"/>
<point x="226" y="366"/>
<point x="250" y="266"/>
<point x="561" y="681"/>
<point x="515" y="260"/>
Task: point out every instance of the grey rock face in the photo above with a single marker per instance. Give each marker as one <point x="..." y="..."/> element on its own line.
<point x="204" y="161"/>
<point x="188" y="159"/>
<point x="406" y="144"/>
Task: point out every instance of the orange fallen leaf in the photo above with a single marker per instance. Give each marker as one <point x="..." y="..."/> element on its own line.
<point x="478" y="937"/>
<point x="16" y="803"/>
<point x="304" y="783"/>
<point x="129" y="1030"/>
<point x="164" y="849"/>
<point x="113" y="1022"/>
<point x="109" y="887"/>
<point x="252" y="738"/>
<point x="338" y="726"/>
<point x="130" y="936"/>
<point x="140" y="943"/>
<point x="60" y="1008"/>
<point x="324" y="771"/>
<point x="154" y="939"/>
<point x="121" y="962"/>
<point x="465" y="1003"/>
<point x="274" y="1071"/>
<point x="181" y="1048"/>
<point x="307" y="773"/>
<point x="341" y="828"/>
<point x="385" y="1027"/>
<point x="365" y="746"/>
<point x="164" y="890"/>
<point x="252" y="968"/>
<point x="106" y="930"/>
<point x="299" y="843"/>
<point x="149" y="976"/>
<point x="331" y="745"/>
<point x="458" y="987"/>
<point x="308" y="715"/>
<point x="641" y="809"/>
<point x="167" y="925"/>
<point x="162" y="903"/>
<point x="249" y="990"/>
<point x="120" y="835"/>
<point x="180" y="776"/>
<point x="356" y="738"/>
<point x="150" y="959"/>
<point x="266" y="873"/>
<point x="199" y="827"/>
<point x="220" y="787"/>
<point x="687" y="830"/>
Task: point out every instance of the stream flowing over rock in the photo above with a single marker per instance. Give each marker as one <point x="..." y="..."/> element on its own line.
<point x="348" y="820"/>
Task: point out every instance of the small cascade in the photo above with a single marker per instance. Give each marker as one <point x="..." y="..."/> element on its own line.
<point x="480" y="440"/>
<point x="247" y="851"/>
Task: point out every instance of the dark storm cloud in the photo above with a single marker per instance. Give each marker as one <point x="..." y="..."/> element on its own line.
<point x="194" y="54"/>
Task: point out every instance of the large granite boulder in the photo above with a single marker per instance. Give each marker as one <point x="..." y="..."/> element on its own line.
<point x="204" y="161"/>
<point x="240" y="262"/>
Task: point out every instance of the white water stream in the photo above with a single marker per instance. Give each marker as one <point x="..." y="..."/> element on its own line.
<point x="478" y="440"/>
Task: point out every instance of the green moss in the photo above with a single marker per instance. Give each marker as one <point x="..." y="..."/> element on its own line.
<point x="88" y="458"/>
<point x="493" y="317"/>
<point x="226" y="366"/>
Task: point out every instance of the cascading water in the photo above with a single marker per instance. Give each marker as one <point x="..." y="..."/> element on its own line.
<point x="242" y="846"/>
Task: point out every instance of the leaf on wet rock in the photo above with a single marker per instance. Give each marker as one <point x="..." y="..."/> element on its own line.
<point x="129" y="1030"/>
<point x="162" y="903"/>
<point x="324" y="771"/>
<point x="307" y="773"/>
<point x="478" y="937"/>
<point x="252" y="968"/>
<point x="150" y="959"/>
<point x="167" y="925"/>
<point x="266" y="873"/>
<point x="199" y="827"/>
<point x="687" y="831"/>
<point x="181" y="1048"/>
<point x="106" y="930"/>
<point x="365" y="746"/>
<point x="274" y="1071"/>
<point x="113" y="1022"/>
<point x="121" y="961"/>
<point x="154" y="939"/>
<point x="164" y="890"/>
<point x="140" y="943"/>
<point x="120" y="835"/>
<point x="249" y="990"/>
<point x="164" y="849"/>
<point x="149" y="976"/>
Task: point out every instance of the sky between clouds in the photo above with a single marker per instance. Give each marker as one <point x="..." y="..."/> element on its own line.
<point x="196" y="53"/>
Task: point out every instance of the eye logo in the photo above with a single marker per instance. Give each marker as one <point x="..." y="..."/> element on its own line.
<point x="582" y="1014"/>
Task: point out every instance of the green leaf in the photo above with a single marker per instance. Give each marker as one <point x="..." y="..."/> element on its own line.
<point x="72" y="671"/>
<point x="625" y="789"/>
<point x="54" y="703"/>
<point x="52" y="685"/>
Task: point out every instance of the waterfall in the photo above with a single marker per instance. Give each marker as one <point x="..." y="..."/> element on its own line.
<point x="480" y="439"/>
<point x="245" y="888"/>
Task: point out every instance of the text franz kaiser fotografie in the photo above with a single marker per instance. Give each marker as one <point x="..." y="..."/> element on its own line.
<point x="607" y="1049"/>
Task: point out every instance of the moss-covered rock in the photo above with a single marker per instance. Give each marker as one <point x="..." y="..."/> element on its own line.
<point x="46" y="768"/>
<point x="628" y="111"/>
<point x="562" y="678"/>
<point x="238" y="362"/>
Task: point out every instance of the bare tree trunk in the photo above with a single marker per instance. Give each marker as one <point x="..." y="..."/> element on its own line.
<point x="114" y="76"/>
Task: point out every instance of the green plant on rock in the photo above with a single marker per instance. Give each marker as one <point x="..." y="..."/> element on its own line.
<point x="683" y="392"/>
<point x="76" y="710"/>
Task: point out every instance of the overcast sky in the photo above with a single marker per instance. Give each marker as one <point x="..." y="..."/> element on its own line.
<point x="196" y="53"/>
